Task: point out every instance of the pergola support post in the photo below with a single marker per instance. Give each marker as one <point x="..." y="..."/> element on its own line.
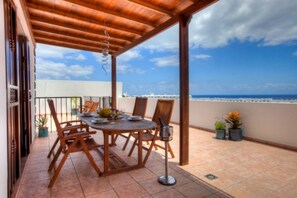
<point x="114" y="82"/>
<point x="184" y="87"/>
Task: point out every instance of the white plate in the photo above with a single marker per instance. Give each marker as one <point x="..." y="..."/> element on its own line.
<point x="87" y="114"/>
<point x="135" y="118"/>
<point x="103" y="121"/>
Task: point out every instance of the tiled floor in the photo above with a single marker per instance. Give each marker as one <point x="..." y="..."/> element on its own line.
<point x="244" y="169"/>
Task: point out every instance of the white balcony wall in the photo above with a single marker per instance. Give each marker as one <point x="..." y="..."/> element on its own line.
<point x="64" y="88"/>
<point x="3" y="118"/>
<point x="273" y="122"/>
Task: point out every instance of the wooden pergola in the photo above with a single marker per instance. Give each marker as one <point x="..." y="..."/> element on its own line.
<point x="80" y="24"/>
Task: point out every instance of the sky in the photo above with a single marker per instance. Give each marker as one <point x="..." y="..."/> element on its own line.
<point x="236" y="47"/>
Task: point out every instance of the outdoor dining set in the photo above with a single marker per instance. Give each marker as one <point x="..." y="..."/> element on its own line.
<point x="76" y="135"/>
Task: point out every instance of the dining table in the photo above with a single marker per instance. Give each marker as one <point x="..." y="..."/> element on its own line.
<point x="113" y="163"/>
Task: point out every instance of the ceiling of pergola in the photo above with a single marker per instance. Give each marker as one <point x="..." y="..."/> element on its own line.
<point x="80" y="24"/>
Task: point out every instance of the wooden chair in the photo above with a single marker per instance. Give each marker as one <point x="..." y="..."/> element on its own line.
<point x="163" y="110"/>
<point x="69" y="143"/>
<point x="94" y="107"/>
<point x="139" y="110"/>
<point x="87" y="106"/>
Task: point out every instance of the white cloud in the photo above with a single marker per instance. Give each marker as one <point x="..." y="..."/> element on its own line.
<point x="269" y="22"/>
<point x="131" y="54"/>
<point x="52" y="70"/>
<point x="124" y="68"/>
<point x="165" y="41"/>
<point x="295" y="53"/>
<point x="202" y="56"/>
<point x="49" y="51"/>
<point x="76" y="57"/>
<point x="168" y="61"/>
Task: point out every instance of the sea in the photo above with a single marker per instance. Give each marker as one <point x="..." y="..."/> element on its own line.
<point x="248" y="98"/>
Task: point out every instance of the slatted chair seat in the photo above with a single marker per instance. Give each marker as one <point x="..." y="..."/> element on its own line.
<point x="91" y="143"/>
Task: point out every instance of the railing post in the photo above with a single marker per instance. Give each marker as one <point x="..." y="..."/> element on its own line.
<point x="114" y="81"/>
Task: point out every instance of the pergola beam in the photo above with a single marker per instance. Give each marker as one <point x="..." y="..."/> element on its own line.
<point x="70" y="39"/>
<point x="67" y="44"/>
<point x="153" y="7"/>
<point x="184" y="87"/>
<point x="82" y="18"/>
<point x="48" y="20"/>
<point x="114" y="82"/>
<point x="75" y="34"/>
<point x="111" y="12"/>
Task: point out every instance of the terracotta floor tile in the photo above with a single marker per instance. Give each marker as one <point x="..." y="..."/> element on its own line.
<point x="106" y="194"/>
<point x="153" y="186"/>
<point x="35" y="189"/>
<point x="193" y="190"/>
<point x="73" y="191"/>
<point x="95" y="185"/>
<point x="245" y="169"/>
<point x="131" y="191"/>
<point x="171" y="193"/>
<point x="142" y="174"/>
<point x="120" y="179"/>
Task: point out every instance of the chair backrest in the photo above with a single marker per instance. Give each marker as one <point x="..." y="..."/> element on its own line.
<point x="56" y="121"/>
<point x="87" y="106"/>
<point x="164" y="111"/>
<point x="140" y="106"/>
<point x="94" y="106"/>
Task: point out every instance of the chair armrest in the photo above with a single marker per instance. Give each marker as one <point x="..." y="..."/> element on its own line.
<point x="75" y="127"/>
<point x="71" y="121"/>
<point x="75" y="135"/>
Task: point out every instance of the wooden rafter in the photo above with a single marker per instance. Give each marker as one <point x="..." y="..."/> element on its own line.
<point x="153" y="7"/>
<point x="58" y="11"/>
<point x="112" y="12"/>
<point x="67" y="44"/>
<point x="75" y="33"/>
<point x="70" y="39"/>
<point x="55" y="21"/>
<point x="128" y="22"/>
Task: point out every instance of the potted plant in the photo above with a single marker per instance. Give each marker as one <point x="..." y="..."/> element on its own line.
<point x="234" y="120"/>
<point x="220" y="127"/>
<point x="42" y="128"/>
<point x="74" y="106"/>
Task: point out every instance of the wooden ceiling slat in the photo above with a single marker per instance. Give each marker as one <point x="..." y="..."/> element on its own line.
<point x="80" y="24"/>
<point x="67" y="44"/>
<point x="195" y="7"/>
<point x="74" y="33"/>
<point x="153" y="7"/>
<point x="46" y="19"/>
<point x="70" y="39"/>
<point x="111" y="12"/>
<point x="56" y="10"/>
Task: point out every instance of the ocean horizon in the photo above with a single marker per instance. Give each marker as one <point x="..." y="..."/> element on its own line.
<point x="252" y="96"/>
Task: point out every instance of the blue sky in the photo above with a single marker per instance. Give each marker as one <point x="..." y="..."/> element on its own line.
<point x="236" y="47"/>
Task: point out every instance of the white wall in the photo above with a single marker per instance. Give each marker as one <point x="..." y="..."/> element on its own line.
<point x="51" y="88"/>
<point x="3" y="118"/>
<point x="274" y="122"/>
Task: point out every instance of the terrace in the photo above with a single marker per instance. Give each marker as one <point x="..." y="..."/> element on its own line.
<point x="244" y="169"/>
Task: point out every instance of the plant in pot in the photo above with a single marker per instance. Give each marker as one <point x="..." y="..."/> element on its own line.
<point x="220" y="127"/>
<point x="42" y="128"/>
<point x="74" y="106"/>
<point x="234" y="120"/>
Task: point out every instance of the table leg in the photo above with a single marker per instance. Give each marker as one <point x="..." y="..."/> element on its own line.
<point x="106" y="152"/>
<point x="140" y="162"/>
<point x="113" y="140"/>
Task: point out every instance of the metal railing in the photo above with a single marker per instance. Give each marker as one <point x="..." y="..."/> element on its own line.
<point x="67" y="108"/>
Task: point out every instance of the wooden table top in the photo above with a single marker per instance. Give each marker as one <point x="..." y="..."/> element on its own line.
<point x="122" y="125"/>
